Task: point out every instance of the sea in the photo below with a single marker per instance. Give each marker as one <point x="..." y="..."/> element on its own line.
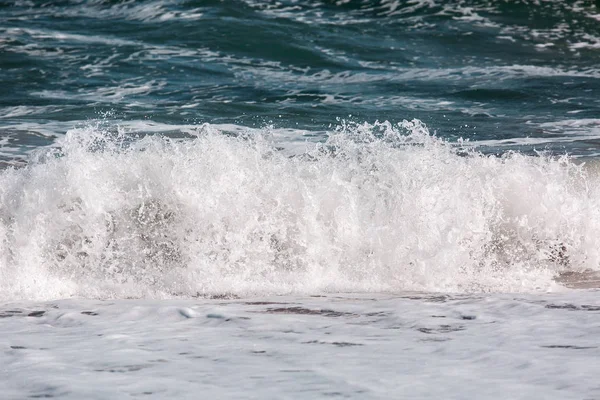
<point x="299" y="199"/>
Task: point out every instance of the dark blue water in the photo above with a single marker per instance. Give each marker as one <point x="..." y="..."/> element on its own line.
<point x="508" y="75"/>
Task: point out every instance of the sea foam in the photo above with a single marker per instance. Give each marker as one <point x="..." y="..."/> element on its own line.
<point x="375" y="207"/>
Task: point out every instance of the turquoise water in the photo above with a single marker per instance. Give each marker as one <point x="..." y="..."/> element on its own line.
<point x="508" y="75"/>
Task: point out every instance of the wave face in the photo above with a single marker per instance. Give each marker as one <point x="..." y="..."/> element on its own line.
<point x="383" y="207"/>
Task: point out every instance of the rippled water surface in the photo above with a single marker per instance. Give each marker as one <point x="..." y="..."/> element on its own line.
<point x="522" y="75"/>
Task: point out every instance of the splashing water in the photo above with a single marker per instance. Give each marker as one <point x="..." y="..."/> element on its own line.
<point x="378" y="207"/>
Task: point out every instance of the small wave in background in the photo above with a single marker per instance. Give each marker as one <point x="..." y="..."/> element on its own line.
<point x="521" y="75"/>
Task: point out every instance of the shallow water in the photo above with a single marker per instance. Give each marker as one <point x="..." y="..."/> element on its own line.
<point x="351" y="346"/>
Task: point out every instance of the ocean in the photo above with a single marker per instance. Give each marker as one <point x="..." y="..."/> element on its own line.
<point x="299" y="199"/>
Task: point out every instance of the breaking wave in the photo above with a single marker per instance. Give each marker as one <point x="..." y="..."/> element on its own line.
<point x="376" y="207"/>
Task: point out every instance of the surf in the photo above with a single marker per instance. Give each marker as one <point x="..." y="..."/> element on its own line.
<point x="374" y="207"/>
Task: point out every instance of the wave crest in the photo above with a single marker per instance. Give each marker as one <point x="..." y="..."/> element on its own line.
<point x="382" y="206"/>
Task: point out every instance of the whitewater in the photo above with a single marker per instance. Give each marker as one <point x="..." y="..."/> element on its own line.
<point x="378" y="263"/>
<point x="374" y="208"/>
<point x="248" y="199"/>
<point x="376" y="346"/>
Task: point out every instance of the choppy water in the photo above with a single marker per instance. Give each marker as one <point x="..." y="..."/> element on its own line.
<point x="522" y="75"/>
<point x="305" y="199"/>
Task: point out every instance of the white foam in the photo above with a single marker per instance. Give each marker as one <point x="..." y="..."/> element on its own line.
<point x="376" y="207"/>
<point x="150" y="11"/>
<point x="21" y="111"/>
<point x="64" y="36"/>
<point x="588" y="42"/>
<point x="119" y="93"/>
<point x="353" y="346"/>
<point x="573" y="123"/>
<point x="402" y="74"/>
<point x="584" y="128"/>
